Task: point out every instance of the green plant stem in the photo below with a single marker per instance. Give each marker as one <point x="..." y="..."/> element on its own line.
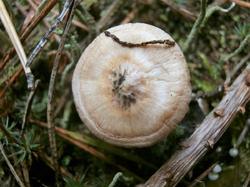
<point x="196" y="26"/>
<point x="242" y="46"/>
<point x="214" y="8"/>
<point x="115" y="179"/>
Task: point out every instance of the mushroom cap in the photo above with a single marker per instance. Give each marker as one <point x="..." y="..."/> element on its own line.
<point x="131" y="97"/>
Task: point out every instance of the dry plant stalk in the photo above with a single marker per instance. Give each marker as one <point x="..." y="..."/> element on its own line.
<point x="25" y="32"/>
<point x="206" y="135"/>
<point x="10" y="29"/>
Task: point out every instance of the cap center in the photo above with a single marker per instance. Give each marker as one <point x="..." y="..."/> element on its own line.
<point x="128" y="83"/>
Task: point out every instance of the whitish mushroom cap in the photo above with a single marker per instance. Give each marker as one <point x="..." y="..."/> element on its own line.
<point x="131" y="97"/>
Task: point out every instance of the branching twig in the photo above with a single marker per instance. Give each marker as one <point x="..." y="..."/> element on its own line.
<point x="205" y="14"/>
<point x="213" y="8"/>
<point x="196" y="26"/>
<point x="206" y="135"/>
<point x="45" y="38"/>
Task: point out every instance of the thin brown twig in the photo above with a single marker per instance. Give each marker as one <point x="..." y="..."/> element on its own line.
<point x="247" y="181"/>
<point x="242" y="3"/>
<point x="61" y="132"/>
<point x="180" y="9"/>
<point x="45" y="22"/>
<point x="132" y="14"/>
<point x="109" y="14"/>
<point x="243" y="133"/>
<point x="15" y="40"/>
<point x="25" y="172"/>
<point x="51" y="125"/>
<point x="167" y="43"/>
<point x="32" y="4"/>
<point x="236" y="69"/>
<point x="10" y="166"/>
<point x="206" y="135"/>
<point x="202" y="175"/>
<point x="83" y="146"/>
<point x="43" y="156"/>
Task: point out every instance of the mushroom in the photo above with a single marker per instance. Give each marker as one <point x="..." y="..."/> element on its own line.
<point x="131" y="85"/>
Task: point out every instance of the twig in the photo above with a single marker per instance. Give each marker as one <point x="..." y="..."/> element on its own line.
<point x="47" y="160"/>
<point x="25" y="172"/>
<point x="196" y="26"/>
<point x="106" y="19"/>
<point x="86" y="17"/>
<point x="91" y="145"/>
<point x="16" y="42"/>
<point x="109" y="13"/>
<point x="205" y="136"/>
<point x="247" y="181"/>
<point x="236" y="69"/>
<point x="28" y="105"/>
<point x="32" y="4"/>
<point x="51" y="126"/>
<point x="179" y="9"/>
<point x="168" y="43"/>
<point x="26" y="32"/>
<point x="202" y="176"/>
<point x="132" y="14"/>
<point x="242" y="3"/>
<point x="224" y="85"/>
<point x="10" y="166"/>
<point x="242" y="46"/>
<point x="64" y="134"/>
<point x="75" y="22"/>
<point x="243" y="133"/>
<point x="45" y="38"/>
